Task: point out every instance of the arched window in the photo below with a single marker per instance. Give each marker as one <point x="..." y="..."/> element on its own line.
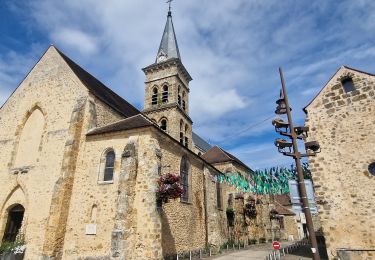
<point x="164" y="97"/>
<point x="181" y="131"/>
<point x="183" y="101"/>
<point x="154" y="98"/>
<point x="94" y="211"/>
<point x="184" y="173"/>
<point x="199" y="154"/>
<point x="163" y="124"/>
<point x="109" y="166"/>
<point x="186" y="136"/>
<point x="14" y="222"/>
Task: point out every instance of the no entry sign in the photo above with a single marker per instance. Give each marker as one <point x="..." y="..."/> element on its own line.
<point x="276" y="245"/>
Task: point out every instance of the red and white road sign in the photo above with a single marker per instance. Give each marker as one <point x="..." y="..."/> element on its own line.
<point x="276" y="245"/>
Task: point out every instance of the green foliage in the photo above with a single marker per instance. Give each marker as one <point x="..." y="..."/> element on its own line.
<point x="253" y="241"/>
<point x="7" y="247"/>
<point x="230" y="211"/>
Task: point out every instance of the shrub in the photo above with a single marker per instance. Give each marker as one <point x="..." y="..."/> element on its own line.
<point x="15" y="247"/>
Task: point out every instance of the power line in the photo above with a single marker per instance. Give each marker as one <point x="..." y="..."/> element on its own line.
<point x="252" y="125"/>
<point x="247" y="128"/>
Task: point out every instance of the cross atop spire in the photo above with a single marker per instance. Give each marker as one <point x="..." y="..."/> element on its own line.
<point x="169" y="2"/>
<point x="168" y="48"/>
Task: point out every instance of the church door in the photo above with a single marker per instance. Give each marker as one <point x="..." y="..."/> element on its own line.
<point x="15" y="217"/>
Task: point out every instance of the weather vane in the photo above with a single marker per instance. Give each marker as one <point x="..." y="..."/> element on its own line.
<point x="169" y="2"/>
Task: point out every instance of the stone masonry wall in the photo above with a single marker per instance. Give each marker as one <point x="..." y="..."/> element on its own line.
<point x="343" y="124"/>
<point x="52" y="88"/>
<point x="173" y="128"/>
<point x="169" y="75"/>
<point x="127" y="223"/>
<point x="183" y="223"/>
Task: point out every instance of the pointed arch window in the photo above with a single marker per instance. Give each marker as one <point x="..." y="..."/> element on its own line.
<point x="164" y="97"/>
<point x="30" y="139"/>
<point x="154" y="98"/>
<point x="163" y="124"/>
<point x="185" y="178"/>
<point x="14" y="222"/>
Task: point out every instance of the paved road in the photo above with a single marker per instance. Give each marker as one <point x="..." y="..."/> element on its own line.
<point x="255" y="252"/>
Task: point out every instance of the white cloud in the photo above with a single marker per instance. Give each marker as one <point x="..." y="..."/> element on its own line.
<point x="217" y="104"/>
<point x="232" y="49"/>
<point x="78" y="40"/>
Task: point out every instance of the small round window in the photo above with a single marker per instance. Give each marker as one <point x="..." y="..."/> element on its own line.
<point x="371" y="168"/>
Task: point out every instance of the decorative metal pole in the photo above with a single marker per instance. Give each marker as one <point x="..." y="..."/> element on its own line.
<point x="301" y="182"/>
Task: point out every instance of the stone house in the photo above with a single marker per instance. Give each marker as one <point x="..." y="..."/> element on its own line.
<point x="341" y="118"/>
<point x="79" y="166"/>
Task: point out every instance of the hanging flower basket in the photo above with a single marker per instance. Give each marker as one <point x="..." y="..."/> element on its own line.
<point x="169" y="187"/>
<point x="250" y="208"/>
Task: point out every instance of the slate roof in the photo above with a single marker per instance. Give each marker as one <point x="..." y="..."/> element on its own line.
<point x="133" y="122"/>
<point x="168" y="45"/>
<point x="100" y="90"/>
<point x="201" y="143"/>
<point x="218" y="155"/>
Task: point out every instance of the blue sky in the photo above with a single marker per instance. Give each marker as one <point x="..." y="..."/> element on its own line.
<point x="232" y="49"/>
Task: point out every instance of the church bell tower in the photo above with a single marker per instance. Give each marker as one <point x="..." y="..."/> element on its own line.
<point x="166" y="99"/>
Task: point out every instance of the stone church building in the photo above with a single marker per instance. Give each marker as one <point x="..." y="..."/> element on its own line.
<point x="342" y="118"/>
<point x="79" y="167"/>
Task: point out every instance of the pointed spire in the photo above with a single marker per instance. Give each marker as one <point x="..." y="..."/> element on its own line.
<point x="168" y="48"/>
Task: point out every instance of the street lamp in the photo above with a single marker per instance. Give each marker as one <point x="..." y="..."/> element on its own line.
<point x="285" y="147"/>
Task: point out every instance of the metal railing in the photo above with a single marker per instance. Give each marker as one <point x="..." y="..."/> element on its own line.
<point x="277" y="254"/>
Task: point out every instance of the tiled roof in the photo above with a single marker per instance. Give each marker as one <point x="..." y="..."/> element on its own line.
<point x="281" y="210"/>
<point x="101" y="91"/>
<point x="201" y="143"/>
<point x="218" y="155"/>
<point x="283" y="199"/>
<point x="136" y="121"/>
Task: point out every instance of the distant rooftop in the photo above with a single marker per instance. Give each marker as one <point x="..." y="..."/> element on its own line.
<point x="201" y="143"/>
